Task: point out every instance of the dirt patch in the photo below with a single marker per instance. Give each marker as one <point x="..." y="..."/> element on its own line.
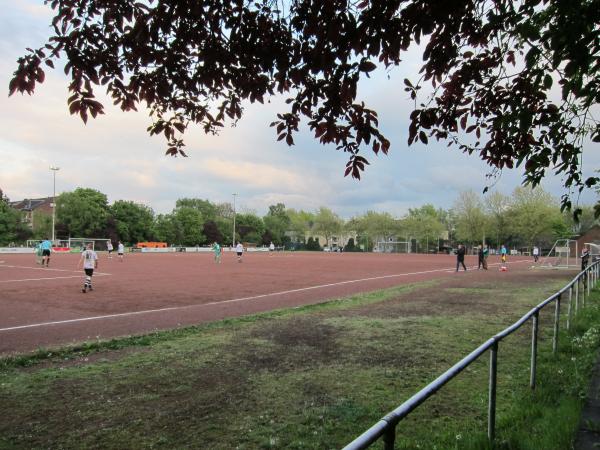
<point x="290" y="343"/>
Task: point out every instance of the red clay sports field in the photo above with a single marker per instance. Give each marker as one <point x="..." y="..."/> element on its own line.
<point x="44" y="307"/>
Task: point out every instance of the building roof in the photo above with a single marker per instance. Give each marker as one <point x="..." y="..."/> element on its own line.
<point x="30" y="204"/>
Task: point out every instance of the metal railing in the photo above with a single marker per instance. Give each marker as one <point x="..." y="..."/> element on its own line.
<point x="578" y="289"/>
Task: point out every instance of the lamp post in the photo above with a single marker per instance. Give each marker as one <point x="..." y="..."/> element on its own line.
<point x="54" y="169"/>
<point x="233" y="236"/>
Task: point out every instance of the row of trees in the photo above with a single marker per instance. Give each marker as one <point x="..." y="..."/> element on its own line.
<point x="527" y="217"/>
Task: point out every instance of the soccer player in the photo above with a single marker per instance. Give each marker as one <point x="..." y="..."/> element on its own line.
<point x="271" y="248"/>
<point x="503" y="253"/>
<point x="46" y="249"/>
<point x="217" y="249"/>
<point x="109" y="247"/>
<point x="120" y="251"/>
<point x="536" y="253"/>
<point x="89" y="259"/>
<point x="460" y="257"/>
<point x="239" y="249"/>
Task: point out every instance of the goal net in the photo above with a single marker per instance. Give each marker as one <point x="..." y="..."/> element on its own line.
<point x="393" y="247"/>
<point x="563" y="255"/>
<point x="79" y="244"/>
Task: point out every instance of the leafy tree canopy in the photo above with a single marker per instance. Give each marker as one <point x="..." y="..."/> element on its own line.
<point x="82" y="212"/>
<point x="520" y="77"/>
<point x="134" y="221"/>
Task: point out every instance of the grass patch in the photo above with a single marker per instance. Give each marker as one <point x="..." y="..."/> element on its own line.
<point x="309" y="378"/>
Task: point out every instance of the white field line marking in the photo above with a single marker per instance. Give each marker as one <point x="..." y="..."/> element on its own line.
<point x="47" y="278"/>
<point x="52" y="278"/>
<point x="46" y="269"/>
<point x="233" y="300"/>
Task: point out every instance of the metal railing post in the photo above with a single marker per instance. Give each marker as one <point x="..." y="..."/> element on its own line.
<point x="582" y="290"/>
<point x="588" y="282"/>
<point x="570" y="309"/>
<point x="577" y="296"/>
<point x="492" y="392"/>
<point x="556" y="321"/>
<point x="534" y="336"/>
<point x="389" y="438"/>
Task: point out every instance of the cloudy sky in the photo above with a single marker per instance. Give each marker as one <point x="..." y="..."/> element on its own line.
<point x="115" y="155"/>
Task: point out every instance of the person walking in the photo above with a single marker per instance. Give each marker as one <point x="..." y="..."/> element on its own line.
<point x="460" y="257"/>
<point x="503" y="253"/>
<point x="585" y="259"/>
<point x="536" y="253"/>
<point x="480" y="258"/>
<point x="271" y="248"/>
<point x="109" y="247"/>
<point x="486" y="253"/>
<point x="239" y="249"/>
<point x="217" y="250"/>
<point x="120" y="251"/>
<point x="89" y="259"/>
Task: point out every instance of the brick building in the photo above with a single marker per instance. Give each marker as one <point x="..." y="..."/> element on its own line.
<point x="33" y="210"/>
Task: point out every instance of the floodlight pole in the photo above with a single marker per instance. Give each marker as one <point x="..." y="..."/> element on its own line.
<point x="233" y="236"/>
<point x="54" y="169"/>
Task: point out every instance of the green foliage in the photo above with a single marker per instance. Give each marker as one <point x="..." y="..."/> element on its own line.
<point x="535" y="217"/>
<point x="12" y="229"/>
<point x="250" y="227"/>
<point x="351" y="247"/>
<point x="277" y="222"/>
<point x="471" y="221"/>
<point x="301" y="222"/>
<point x="42" y="225"/>
<point x="133" y="221"/>
<point x="208" y="210"/>
<point x="425" y="224"/>
<point x="327" y="223"/>
<point x="189" y="223"/>
<point x="167" y="229"/>
<point x="83" y="212"/>
<point x="312" y="244"/>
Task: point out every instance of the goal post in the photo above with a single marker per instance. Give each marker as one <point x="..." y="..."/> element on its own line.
<point x="562" y="255"/>
<point x="77" y="244"/>
<point x="393" y="246"/>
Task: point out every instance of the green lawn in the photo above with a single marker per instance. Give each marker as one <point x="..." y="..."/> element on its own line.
<point x="312" y="377"/>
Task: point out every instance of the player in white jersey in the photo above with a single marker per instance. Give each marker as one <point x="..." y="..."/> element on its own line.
<point x="239" y="249"/>
<point x="120" y="250"/>
<point x="89" y="259"/>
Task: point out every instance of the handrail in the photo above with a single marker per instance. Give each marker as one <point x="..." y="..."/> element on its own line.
<point x="386" y="426"/>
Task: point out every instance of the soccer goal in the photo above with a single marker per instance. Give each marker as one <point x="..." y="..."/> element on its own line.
<point x="563" y="255"/>
<point x="76" y="244"/>
<point x="393" y="247"/>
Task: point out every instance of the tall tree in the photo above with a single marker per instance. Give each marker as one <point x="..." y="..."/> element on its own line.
<point x="327" y="223"/>
<point x="497" y="206"/>
<point x="83" y="212"/>
<point x="250" y="227"/>
<point x="471" y="220"/>
<point x="167" y="229"/>
<point x="277" y="222"/>
<point x="426" y="225"/>
<point x="209" y="210"/>
<point x="191" y="223"/>
<point x="535" y="217"/>
<point x="12" y="229"/>
<point x="301" y="222"/>
<point x="133" y="221"/>
<point x="492" y="64"/>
